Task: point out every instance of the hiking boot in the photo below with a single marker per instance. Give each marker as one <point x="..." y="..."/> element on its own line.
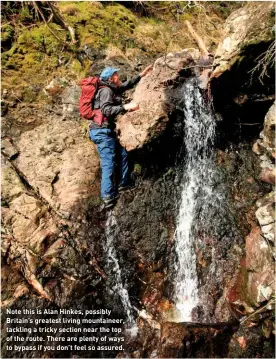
<point x="109" y="201"/>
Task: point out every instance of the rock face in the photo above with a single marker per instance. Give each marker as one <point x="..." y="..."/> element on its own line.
<point x="254" y="285"/>
<point x="60" y="162"/>
<point x="265" y="149"/>
<point x="249" y="25"/>
<point x="50" y="180"/>
<point x="157" y="95"/>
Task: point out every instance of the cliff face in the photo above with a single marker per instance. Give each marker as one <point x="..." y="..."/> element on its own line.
<point x="54" y="231"/>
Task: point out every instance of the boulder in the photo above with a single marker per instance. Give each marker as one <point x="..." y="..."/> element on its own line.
<point x="260" y="267"/>
<point x="157" y="95"/>
<point x="249" y="25"/>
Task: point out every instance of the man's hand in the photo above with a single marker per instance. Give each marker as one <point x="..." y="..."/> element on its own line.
<point x="132" y="106"/>
<point x="147" y="70"/>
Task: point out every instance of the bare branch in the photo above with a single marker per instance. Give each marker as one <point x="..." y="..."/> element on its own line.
<point x="61" y="22"/>
<point x="43" y="18"/>
<point x="200" y="43"/>
<point x="264" y="61"/>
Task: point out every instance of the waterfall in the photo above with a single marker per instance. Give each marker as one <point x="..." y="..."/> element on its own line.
<point x="196" y="191"/>
<point x="113" y="267"/>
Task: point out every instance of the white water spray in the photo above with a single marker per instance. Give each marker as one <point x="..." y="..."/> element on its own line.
<point x="114" y="270"/>
<point x="195" y="192"/>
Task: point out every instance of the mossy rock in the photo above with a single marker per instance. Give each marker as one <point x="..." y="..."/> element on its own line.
<point x="42" y="39"/>
<point x="7" y="36"/>
<point x="98" y="26"/>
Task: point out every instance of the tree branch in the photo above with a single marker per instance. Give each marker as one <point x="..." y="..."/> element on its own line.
<point x="200" y="43"/>
<point x="61" y="22"/>
<point x="38" y="11"/>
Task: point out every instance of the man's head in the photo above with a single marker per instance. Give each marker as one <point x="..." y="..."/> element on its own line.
<point x="111" y="74"/>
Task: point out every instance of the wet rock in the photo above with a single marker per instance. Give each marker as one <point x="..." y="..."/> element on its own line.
<point x="184" y="340"/>
<point x="249" y="342"/>
<point x="253" y="283"/>
<point x="171" y="340"/>
<point x="156" y="94"/>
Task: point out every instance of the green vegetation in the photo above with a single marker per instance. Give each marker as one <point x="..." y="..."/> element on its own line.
<point x="37" y="47"/>
<point x="97" y="25"/>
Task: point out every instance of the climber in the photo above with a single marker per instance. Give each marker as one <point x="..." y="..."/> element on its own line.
<point x="109" y="101"/>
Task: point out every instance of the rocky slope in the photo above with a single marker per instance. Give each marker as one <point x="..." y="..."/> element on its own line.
<point x="53" y="234"/>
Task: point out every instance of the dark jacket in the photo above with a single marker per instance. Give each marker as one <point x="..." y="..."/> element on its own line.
<point x="109" y="100"/>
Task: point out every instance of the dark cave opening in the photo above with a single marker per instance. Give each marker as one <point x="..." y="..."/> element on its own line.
<point x="242" y="96"/>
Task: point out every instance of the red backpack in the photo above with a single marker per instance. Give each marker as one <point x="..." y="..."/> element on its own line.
<point x="89" y="87"/>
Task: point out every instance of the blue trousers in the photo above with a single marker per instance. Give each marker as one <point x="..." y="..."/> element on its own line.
<point x="108" y="147"/>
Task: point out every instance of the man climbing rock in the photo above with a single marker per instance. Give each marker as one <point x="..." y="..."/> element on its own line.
<point x="109" y="101"/>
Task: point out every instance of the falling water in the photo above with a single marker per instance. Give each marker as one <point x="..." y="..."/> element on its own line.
<point x="114" y="267"/>
<point x="195" y="193"/>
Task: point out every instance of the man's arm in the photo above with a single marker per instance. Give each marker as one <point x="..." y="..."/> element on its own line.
<point x="107" y="106"/>
<point x="126" y="85"/>
<point x="134" y="80"/>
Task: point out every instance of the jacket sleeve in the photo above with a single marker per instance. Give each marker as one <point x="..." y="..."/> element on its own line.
<point x="129" y="84"/>
<point x="107" y="106"/>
